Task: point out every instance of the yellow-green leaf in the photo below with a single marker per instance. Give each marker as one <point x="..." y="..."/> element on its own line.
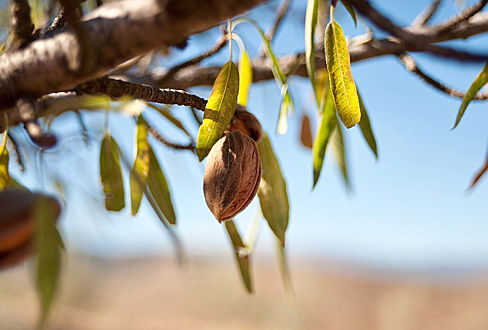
<point x="328" y="122"/>
<point x="111" y="174"/>
<point x="245" y="77"/>
<point x="219" y="110"/>
<point x="310" y="24"/>
<point x="48" y="247"/>
<point x="158" y="186"/>
<point x="167" y="114"/>
<point x="284" y="270"/>
<point x="340" y="77"/>
<point x="272" y="193"/>
<point x="241" y="254"/>
<point x="478" y="83"/>
<point x="350" y="10"/>
<point x="339" y="149"/>
<point x="365" y="126"/>
<point x="5" y="179"/>
<point x="140" y="170"/>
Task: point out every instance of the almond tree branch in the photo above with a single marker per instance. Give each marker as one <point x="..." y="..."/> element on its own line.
<point x="280" y="14"/>
<point x="410" y="64"/>
<point x="21" y="26"/>
<point x="462" y="17"/>
<point x="427" y="15"/>
<point x="116" y="31"/>
<point x="154" y="132"/>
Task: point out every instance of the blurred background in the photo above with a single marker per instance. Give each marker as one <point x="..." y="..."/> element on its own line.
<point x="405" y="248"/>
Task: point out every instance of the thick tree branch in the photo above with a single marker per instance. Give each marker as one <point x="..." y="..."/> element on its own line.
<point x="117" y="31"/>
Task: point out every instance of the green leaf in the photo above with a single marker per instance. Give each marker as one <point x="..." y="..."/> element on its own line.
<point x="365" y="126"/>
<point x="111" y="174"/>
<point x="286" y="103"/>
<point x="241" y="255"/>
<point x="5" y="179"/>
<point x="328" y="122"/>
<point x="245" y="77"/>
<point x="339" y="149"/>
<point x="351" y="11"/>
<point x="140" y="170"/>
<point x="272" y="193"/>
<point x="219" y="110"/>
<point x="310" y="24"/>
<point x="341" y="80"/>
<point x="48" y="262"/>
<point x="158" y="186"/>
<point x="284" y="270"/>
<point x="167" y="114"/>
<point x="480" y="80"/>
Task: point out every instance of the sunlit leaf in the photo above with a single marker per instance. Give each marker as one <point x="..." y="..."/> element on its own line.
<point x="340" y="77"/>
<point x="286" y="103"/>
<point x="328" y="122"/>
<point x="323" y="88"/>
<point x="140" y="170"/>
<point x="306" y="132"/>
<point x="48" y="247"/>
<point x="339" y="149"/>
<point x="240" y="253"/>
<point x="5" y="179"/>
<point x="480" y="80"/>
<point x="219" y="110"/>
<point x="482" y="171"/>
<point x="272" y="191"/>
<point x="167" y="114"/>
<point x="284" y="269"/>
<point x="310" y="24"/>
<point x="366" y="130"/>
<point x="245" y="77"/>
<point x="158" y="186"/>
<point x="111" y="174"/>
<point x="350" y="10"/>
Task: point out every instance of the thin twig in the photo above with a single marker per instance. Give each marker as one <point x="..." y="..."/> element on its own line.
<point x="21" y="26"/>
<point x="413" y="41"/>
<point x="424" y="17"/>
<point x="26" y="110"/>
<point x="463" y="16"/>
<point x="117" y="88"/>
<point x="154" y="132"/>
<point x="410" y="64"/>
<point x="280" y="14"/>
<point x="479" y="174"/>
<point x="18" y="155"/>
<point x="215" y="49"/>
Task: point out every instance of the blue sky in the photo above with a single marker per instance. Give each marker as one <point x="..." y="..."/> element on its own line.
<point x="408" y="210"/>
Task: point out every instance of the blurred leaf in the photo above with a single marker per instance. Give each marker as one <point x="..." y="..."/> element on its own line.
<point x="285" y="272"/>
<point x="272" y="191"/>
<point x="306" y="132"/>
<point x="129" y="106"/>
<point x="167" y="114"/>
<point x="140" y="170"/>
<point x="280" y="78"/>
<point x="245" y="77"/>
<point x="482" y="171"/>
<point x="480" y="80"/>
<point x="366" y="129"/>
<point x="341" y="80"/>
<point x="328" y="122"/>
<point x="242" y="257"/>
<point x="310" y="24"/>
<point x="5" y="179"/>
<point x="323" y="87"/>
<point x="158" y="186"/>
<point x="111" y="174"/>
<point x="351" y="11"/>
<point x="339" y="149"/>
<point x="48" y="262"/>
<point x="219" y="110"/>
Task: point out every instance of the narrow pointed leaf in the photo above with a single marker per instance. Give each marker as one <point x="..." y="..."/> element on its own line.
<point x="5" y="179"/>
<point x="286" y="103"/>
<point x="341" y="80"/>
<point x="245" y="77"/>
<point x="172" y="119"/>
<point x="48" y="245"/>
<point x="272" y="193"/>
<point x="140" y="170"/>
<point x="366" y="130"/>
<point x="306" y="133"/>
<point x="328" y="122"/>
<point x="310" y="24"/>
<point x="111" y="174"/>
<point x="284" y="269"/>
<point x="219" y="110"/>
<point x="339" y="149"/>
<point x="477" y="84"/>
<point x="241" y="255"/>
<point x="158" y="186"/>
<point x="350" y="10"/>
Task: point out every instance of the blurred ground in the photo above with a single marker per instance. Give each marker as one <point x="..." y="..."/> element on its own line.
<point x="207" y="294"/>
